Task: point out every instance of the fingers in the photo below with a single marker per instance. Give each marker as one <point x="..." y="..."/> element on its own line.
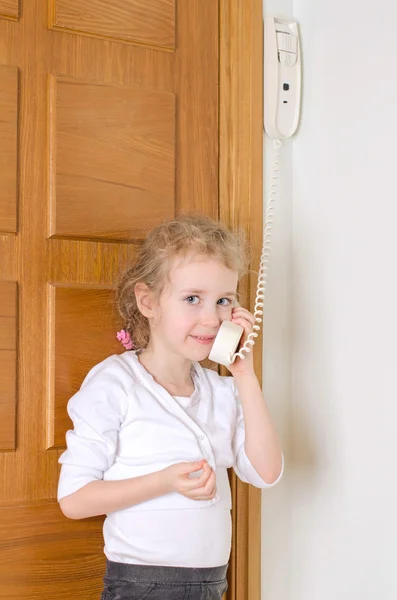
<point x="204" y="487"/>
<point x="210" y="487"/>
<point x="195" y="466"/>
<point x="241" y="313"/>
<point x="197" y="482"/>
<point x="208" y="491"/>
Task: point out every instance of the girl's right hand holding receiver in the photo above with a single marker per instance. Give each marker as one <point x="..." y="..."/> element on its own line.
<point x="196" y="488"/>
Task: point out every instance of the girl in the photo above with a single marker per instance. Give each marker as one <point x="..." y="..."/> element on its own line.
<point x="154" y="431"/>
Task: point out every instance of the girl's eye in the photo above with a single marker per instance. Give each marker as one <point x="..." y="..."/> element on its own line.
<point x="190" y="300"/>
<point x="227" y="300"/>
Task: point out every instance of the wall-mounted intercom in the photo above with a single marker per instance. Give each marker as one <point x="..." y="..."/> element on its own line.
<point x="282" y="93"/>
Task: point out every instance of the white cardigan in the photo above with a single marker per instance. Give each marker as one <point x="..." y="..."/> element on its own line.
<point x="126" y="425"/>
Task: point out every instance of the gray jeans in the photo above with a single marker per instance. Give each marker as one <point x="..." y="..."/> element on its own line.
<point x="144" y="582"/>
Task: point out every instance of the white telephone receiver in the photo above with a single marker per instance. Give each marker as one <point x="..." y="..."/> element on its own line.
<point x="282" y="91"/>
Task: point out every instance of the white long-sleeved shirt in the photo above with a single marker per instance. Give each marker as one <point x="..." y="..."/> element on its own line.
<point x="126" y="425"/>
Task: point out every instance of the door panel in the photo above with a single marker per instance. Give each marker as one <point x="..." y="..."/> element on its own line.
<point x="44" y="556"/>
<point x="8" y="147"/>
<point x="8" y="355"/>
<point x="109" y="124"/>
<point x="112" y="158"/>
<point x="9" y="8"/>
<point x="151" y="22"/>
<point x="78" y="314"/>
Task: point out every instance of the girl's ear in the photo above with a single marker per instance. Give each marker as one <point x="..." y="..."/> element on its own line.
<point x="145" y="299"/>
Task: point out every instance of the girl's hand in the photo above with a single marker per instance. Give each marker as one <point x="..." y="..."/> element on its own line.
<point x="177" y="480"/>
<point x="243" y="317"/>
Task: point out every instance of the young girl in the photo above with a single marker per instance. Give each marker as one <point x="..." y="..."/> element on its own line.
<point x="155" y="432"/>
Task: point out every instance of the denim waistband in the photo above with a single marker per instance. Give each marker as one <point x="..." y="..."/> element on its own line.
<point x="155" y="573"/>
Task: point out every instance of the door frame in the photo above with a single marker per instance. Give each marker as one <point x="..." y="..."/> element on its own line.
<point x="241" y="205"/>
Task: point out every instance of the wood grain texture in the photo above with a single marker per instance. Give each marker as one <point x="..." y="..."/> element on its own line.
<point x="9" y="8"/>
<point x="9" y="252"/>
<point x="9" y="43"/>
<point x="8" y="364"/>
<point x="196" y="81"/>
<point x="7" y="399"/>
<point x="84" y="333"/>
<point x="114" y="63"/>
<point x="37" y="262"/>
<point x="151" y="22"/>
<point x="8" y="147"/>
<point x="112" y="160"/>
<point x="48" y="555"/>
<point x="35" y="538"/>
<point x="89" y="263"/>
<point x="241" y="205"/>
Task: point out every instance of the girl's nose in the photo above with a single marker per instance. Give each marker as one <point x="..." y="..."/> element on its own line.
<point x="210" y="318"/>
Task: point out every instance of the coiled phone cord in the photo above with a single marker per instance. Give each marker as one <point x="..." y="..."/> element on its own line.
<point x="267" y="236"/>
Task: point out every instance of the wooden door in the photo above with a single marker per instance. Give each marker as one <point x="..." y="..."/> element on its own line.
<point x="108" y="124"/>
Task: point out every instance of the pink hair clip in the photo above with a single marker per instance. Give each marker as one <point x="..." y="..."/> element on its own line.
<point x="125" y="339"/>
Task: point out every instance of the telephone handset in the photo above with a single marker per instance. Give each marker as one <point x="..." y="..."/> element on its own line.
<point x="282" y="91"/>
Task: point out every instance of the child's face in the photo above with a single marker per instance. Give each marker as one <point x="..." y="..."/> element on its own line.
<point x="200" y="294"/>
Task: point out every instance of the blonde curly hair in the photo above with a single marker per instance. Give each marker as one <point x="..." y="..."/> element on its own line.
<point x="186" y="234"/>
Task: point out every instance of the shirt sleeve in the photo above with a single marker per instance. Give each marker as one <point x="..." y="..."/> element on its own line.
<point x="242" y="465"/>
<point x="97" y="413"/>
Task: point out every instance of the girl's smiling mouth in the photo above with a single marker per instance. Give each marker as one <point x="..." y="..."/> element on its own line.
<point x="201" y="339"/>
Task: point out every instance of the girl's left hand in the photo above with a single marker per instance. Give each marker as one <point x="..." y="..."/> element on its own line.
<point x="243" y="317"/>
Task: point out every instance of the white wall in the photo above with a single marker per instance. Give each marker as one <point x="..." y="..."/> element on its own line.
<point x="277" y="327"/>
<point x="339" y="528"/>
